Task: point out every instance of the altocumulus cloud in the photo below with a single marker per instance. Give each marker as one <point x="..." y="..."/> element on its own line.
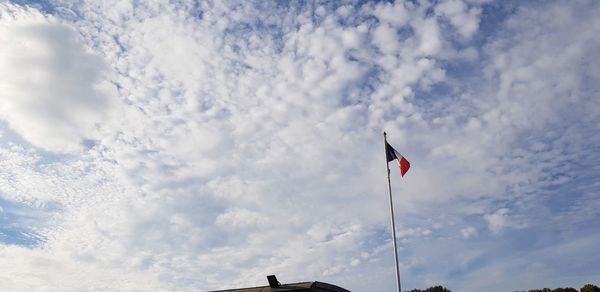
<point x="202" y="145"/>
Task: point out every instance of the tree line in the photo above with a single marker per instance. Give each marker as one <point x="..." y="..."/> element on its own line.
<point x="586" y="288"/>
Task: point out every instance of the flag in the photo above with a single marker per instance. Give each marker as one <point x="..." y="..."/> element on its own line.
<point x="392" y="154"/>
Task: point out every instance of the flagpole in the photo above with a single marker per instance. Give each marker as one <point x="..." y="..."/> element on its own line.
<point x="392" y="216"/>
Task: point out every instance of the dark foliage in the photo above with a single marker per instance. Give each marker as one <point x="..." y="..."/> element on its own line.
<point x="586" y="288"/>
<point x="432" y="289"/>
<point x="568" y="289"/>
<point x="590" y="288"/>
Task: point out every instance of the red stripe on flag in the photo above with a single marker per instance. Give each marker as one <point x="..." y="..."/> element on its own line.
<point x="404" y="166"/>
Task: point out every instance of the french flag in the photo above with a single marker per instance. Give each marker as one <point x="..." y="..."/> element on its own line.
<point x="392" y="154"/>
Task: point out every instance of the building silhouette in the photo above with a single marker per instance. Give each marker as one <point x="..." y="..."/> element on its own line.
<point x="275" y="286"/>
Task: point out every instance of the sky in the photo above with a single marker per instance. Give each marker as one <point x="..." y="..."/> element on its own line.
<point x="198" y="145"/>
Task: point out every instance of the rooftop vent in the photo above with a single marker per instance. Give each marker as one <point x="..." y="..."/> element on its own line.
<point x="273" y="283"/>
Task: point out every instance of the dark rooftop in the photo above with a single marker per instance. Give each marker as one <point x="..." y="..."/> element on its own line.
<point x="294" y="287"/>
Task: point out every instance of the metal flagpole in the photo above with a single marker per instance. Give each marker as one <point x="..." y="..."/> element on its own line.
<point x="392" y="215"/>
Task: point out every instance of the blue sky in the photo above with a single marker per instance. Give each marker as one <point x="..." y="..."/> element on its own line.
<point x="193" y="145"/>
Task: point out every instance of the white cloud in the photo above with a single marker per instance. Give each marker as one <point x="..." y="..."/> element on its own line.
<point x="395" y="14"/>
<point x="52" y="92"/>
<point x="468" y="232"/>
<point x="428" y="32"/>
<point x="240" y="218"/>
<point x="386" y="38"/>
<point x="464" y="19"/>
<point x="500" y="220"/>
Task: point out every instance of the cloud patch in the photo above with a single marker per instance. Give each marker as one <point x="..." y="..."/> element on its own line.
<point x="52" y="92"/>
